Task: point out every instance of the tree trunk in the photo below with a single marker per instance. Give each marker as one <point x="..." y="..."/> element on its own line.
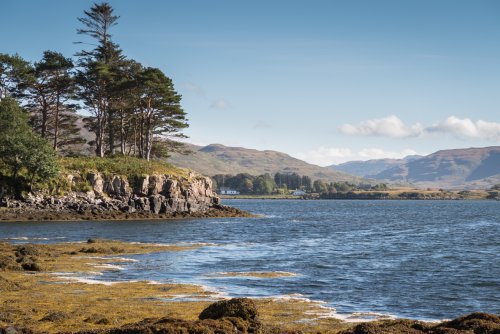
<point x="147" y="152"/>
<point x="141" y="136"/>
<point x="111" y="132"/>
<point x="100" y="131"/>
<point x="45" y="116"/>
<point x="122" y="132"/>
<point x="56" y="123"/>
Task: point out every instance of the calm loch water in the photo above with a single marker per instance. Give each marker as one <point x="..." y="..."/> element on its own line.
<point x="418" y="259"/>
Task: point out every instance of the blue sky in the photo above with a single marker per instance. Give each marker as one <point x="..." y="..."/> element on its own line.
<point x="325" y="81"/>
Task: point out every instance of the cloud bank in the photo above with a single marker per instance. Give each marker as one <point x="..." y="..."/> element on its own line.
<point x="194" y="88"/>
<point x="326" y="156"/>
<point x="393" y="127"/>
<point x="220" y="104"/>
<point x="390" y="126"/>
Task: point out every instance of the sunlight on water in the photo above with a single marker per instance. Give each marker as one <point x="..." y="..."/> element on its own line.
<point x="426" y="260"/>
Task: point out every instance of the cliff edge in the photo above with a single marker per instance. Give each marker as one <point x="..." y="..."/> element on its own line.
<point x="103" y="195"/>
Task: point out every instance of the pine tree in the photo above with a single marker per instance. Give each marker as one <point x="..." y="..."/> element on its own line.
<point x="97" y="69"/>
<point x="161" y="115"/>
<point x="50" y="92"/>
<point x="14" y="71"/>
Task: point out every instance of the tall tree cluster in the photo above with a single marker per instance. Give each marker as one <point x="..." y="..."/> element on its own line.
<point x="131" y="109"/>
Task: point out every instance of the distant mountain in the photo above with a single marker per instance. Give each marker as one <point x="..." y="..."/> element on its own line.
<point x="459" y="168"/>
<point x="372" y="167"/>
<point x="219" y="159"/>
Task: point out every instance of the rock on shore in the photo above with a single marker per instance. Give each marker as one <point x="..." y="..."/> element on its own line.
<point x="116" y="197"/>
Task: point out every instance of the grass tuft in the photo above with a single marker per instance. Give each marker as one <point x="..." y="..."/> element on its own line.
<point x="119" y="165"/>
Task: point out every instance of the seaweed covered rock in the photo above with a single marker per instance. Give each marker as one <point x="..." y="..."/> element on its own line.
<point x="55" y="316"/>
<point x="27" y="250"/>
<point x="243" y="308"/>
<point x="31" y="265"/>
<point x="475" y="323"/>
<point x="479" y="323"/>
<point x="15" y="330"/>
<point x="169" y="325"/>
<point x="24" y="258"/>
<point x="390" y="326"/>
<point x="8" y="262"/>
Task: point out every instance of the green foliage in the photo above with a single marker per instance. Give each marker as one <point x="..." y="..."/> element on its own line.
<point x="292" y="181"/>
<point x="41" y="163"/>
<point x="49" y="96"/>
<point x="21" y="150"/>
<point x="131" y="104"/>
<point x="380" y="187"/>
<point x="14" y="71"/>
<point x="320" y="186"/>
<point x="118" y="165"/>
<point x="81" y="185"/>
<point x="264" y="184"/>
<point x="246" y="183"/>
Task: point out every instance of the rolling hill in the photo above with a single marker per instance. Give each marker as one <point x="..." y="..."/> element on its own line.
<point x="458" y="168"/>
<point x="372" y="167"/>
<point x="219" y="159"/>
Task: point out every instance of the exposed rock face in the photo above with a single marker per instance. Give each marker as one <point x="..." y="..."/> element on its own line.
<point x="152" y="194"/>
<point x="157" y="193"/>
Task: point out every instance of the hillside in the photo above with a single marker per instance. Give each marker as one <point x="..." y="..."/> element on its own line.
<point x="458" y="168"/>
<point x="372" y="167"/>
<point x="219" y="159"/>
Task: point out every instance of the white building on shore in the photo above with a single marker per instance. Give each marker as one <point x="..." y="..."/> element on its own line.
<point x="298" y="192"/>
<point x="228" y="191"/>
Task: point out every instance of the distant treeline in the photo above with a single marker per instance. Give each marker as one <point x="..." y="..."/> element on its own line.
<point x="282" y="183"/>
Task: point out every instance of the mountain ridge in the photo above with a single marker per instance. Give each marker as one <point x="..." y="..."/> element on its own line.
<point x="369" y="168"/>
<point x="220" y="159"/>
<point x="474" y="167"/>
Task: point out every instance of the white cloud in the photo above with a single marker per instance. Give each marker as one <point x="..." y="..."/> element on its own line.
<point x="198" y="90"/>
<point x="466" y="128"/>
<point x="326" y="156"/>
<point x="261" y="125"/>
<point x="377" y="153"/>
<point x="390" y="126"/>
<point x="220" y="104"/>
<point x="394" y="127"/>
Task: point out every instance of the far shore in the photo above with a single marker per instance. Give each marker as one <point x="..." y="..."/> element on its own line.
<point x="392" y="194"/>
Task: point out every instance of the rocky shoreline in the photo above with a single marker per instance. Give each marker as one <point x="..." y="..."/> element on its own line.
<point x="26" y="214"/>
<point x="34" y="300"/>
<point x="114" y="197"/>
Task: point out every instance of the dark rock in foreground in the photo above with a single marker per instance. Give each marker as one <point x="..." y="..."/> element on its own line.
<point x="475" y="323"/>
<point x="241" y="316"/>
<point x="243" y="308"/>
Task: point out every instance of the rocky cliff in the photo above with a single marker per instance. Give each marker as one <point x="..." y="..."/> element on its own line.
<point x="155" y="193"/>
<point x="115" y="197"/>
